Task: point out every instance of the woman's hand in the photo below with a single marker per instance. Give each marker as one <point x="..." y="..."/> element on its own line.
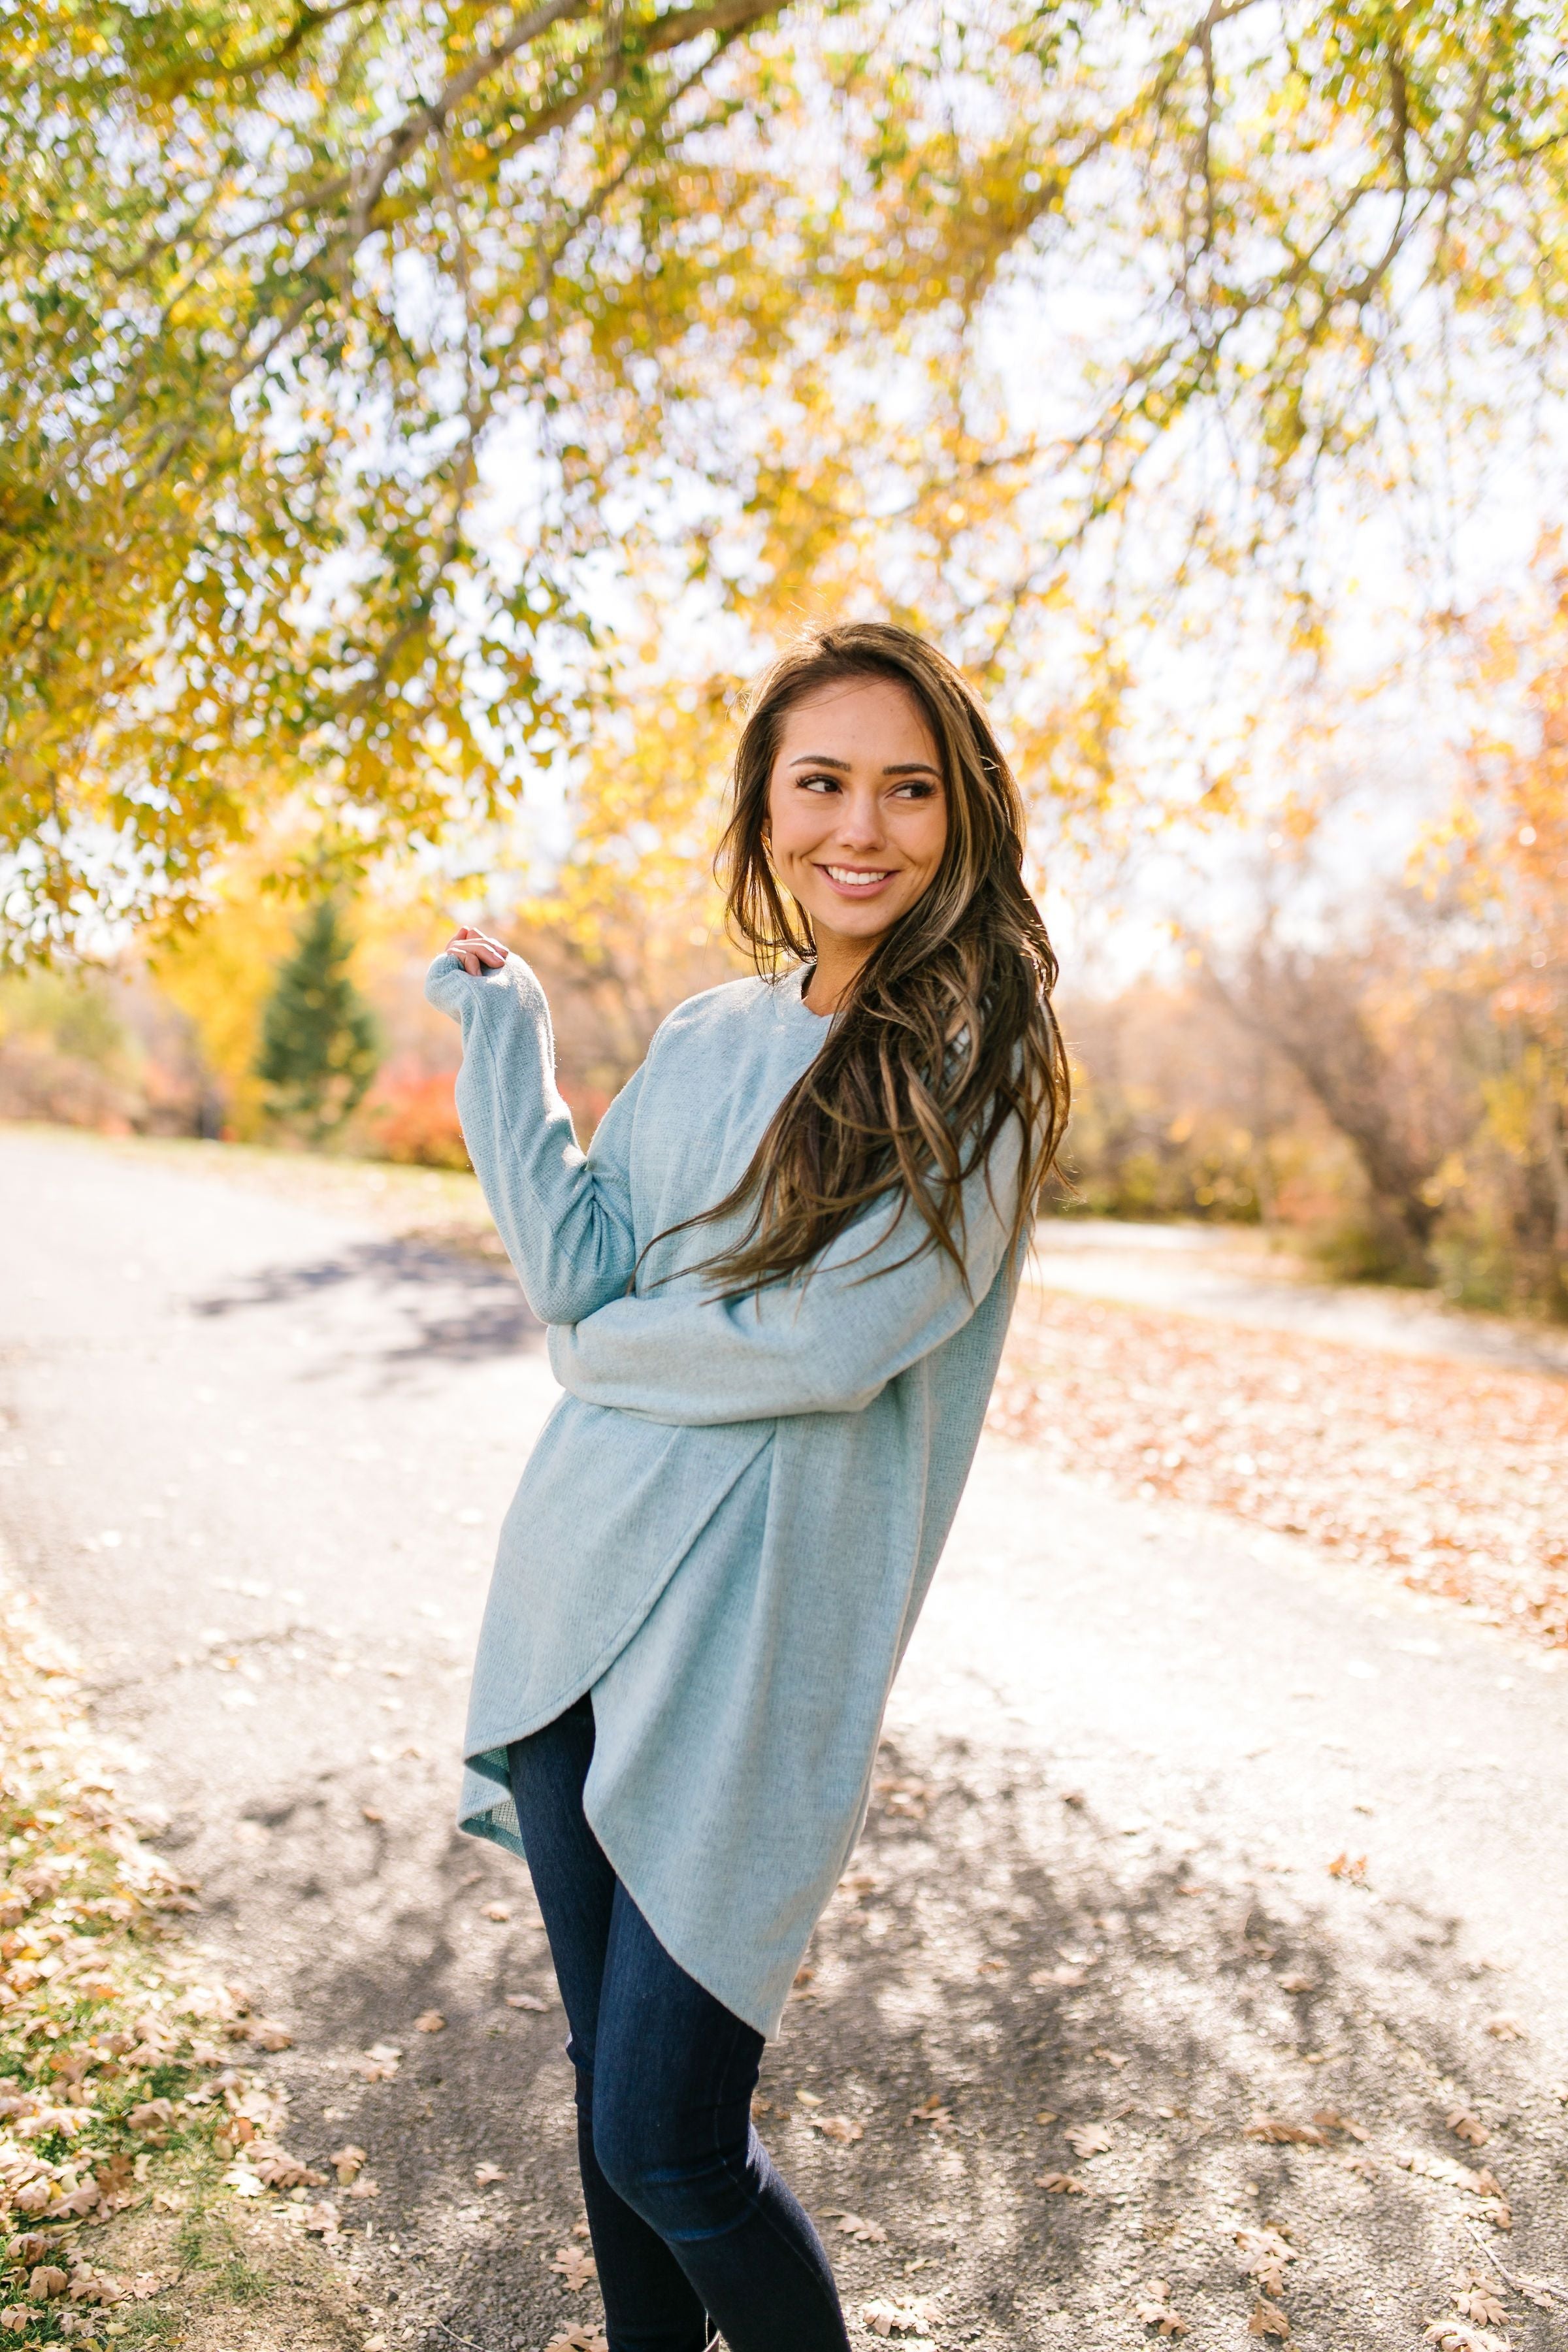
<point x="474" y="951"/>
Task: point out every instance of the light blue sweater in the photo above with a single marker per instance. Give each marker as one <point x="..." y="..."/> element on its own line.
<point x="728" y="1523"/>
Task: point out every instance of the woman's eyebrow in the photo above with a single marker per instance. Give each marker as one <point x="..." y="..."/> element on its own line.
<point x="903" y="768"/>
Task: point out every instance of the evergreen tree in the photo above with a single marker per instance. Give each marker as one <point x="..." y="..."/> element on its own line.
<point x="319" y="1047"/>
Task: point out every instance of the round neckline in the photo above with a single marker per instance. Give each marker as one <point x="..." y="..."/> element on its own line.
<point x="791" y="990"/>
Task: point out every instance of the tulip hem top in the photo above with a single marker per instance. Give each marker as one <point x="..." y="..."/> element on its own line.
<point x="728" y="1523"/>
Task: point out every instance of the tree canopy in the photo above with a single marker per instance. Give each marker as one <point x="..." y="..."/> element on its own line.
<point x="348" y="353"/>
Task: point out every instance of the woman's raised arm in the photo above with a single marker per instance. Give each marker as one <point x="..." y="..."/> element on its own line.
<point x="564" y="1215"/>
<point x="828" y="1345"/>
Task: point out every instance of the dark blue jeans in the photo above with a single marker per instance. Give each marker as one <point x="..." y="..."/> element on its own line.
<point x="692" y="2227"/>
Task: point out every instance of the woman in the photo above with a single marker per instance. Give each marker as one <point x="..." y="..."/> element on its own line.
<point x="777" y="1287"/>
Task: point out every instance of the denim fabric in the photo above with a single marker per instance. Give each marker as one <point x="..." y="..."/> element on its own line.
<point x="691" y="2223"/>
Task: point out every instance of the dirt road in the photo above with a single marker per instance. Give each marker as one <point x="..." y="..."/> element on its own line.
<point x="254" y="1454"/>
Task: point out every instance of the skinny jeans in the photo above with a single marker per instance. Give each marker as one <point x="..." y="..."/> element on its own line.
<point x="692" y="2228"/>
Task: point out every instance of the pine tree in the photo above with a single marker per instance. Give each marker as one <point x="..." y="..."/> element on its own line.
<point x="319" y="1047"/>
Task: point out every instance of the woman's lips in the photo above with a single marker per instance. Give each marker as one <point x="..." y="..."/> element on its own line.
<point x="857" y="882"/>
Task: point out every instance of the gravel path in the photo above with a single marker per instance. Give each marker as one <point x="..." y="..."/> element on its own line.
<point x="255" y="1450"/>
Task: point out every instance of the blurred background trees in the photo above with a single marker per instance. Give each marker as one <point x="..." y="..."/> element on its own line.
<point x="320" y="1048"/>
<point x="418" y="422"/>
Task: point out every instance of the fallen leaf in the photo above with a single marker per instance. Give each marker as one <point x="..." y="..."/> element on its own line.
<point x="347" y="2163"/>
<point x="430" y="2020"/>
<point x="1110" y="2058"/>
<point x="322" y="2220"/>
<point x="379" y="2062"/>
<point x="276" y="2169"/>
<point x="1278" y="2133"/>
<point x="866" y="2234"/>
<point x="1062" y="1976"/>
<point x="577" y="2338"/>
<point x="1475" y="2297"/>
<point x="1506" y="2029"/>
<point x="1298" y="1983"/>
<point x="932" y="2112"/>
<point x="1468" y="2126"/>
<point x="902" y="2318"/>
<point x="842" y="2128"/>
<point x="487" y="2175"/>
<point x="268" y="2035"/>
<point x="525" y="2000"/>
<point x="1263" y="2256"/>
<point x="1330" y="2119"/>
<point x="1086" y="2139"/>
<point x="1267" y="2321"/>
<point x="499" y="1912"/>
<point x="575" y="2266"/>
<point x="1155" y="2310"/>
<point x="1062" y="2184"/>
<point x="907" y="1797"/>
<point x="1349" y="1867"/>
<point x="89" y="2284"/>
<point x="1484" y="2184"/>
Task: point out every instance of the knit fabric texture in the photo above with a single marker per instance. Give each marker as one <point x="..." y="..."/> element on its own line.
<point x="728" y="1523"/>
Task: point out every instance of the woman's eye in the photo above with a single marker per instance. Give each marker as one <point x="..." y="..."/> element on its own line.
<point x="818" y="784"/>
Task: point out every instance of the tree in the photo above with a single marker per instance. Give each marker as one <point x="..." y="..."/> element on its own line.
<point x="1504" y="850"/>
<point x="272" y="281"/>
<point x="319" y="1040"/>
<point x="342" y="349"/>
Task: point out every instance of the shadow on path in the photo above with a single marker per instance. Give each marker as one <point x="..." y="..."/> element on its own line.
<point x="462" y="1308"/>
<point x="999" y="1976"/>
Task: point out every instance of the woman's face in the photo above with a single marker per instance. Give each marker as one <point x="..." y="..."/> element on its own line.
<point x="856" y="808"/>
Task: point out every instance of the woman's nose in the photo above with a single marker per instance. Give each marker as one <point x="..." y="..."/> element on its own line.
<point x="861" y="823"/>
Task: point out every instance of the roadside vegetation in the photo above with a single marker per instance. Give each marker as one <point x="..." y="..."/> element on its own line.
<point x="145" y="2196"/>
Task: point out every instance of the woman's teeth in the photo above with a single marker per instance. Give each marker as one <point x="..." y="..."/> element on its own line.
<point x="849" y="878"/>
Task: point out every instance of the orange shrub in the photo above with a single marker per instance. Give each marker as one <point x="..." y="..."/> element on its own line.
<point x="409" y="1116"/>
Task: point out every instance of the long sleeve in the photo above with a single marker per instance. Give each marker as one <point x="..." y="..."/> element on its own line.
<point x="563" y="1215"/>
<point x="830" y="1345"/>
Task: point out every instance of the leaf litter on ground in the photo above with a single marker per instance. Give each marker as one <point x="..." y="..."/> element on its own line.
<point x="1446" y="1472"/>
<point x="117" y="2044"/>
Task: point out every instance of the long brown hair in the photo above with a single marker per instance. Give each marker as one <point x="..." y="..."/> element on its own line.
<point x="947" y="1031"/>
